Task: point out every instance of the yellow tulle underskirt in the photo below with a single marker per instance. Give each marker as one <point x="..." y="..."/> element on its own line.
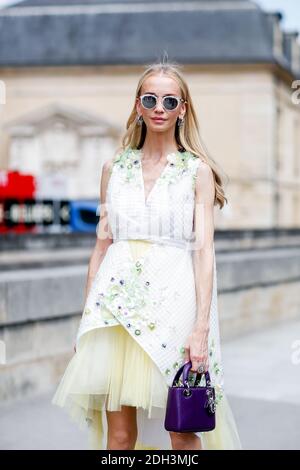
<point x="110" y="370"/>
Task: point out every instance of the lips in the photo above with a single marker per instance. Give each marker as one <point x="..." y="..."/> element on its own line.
<point x="158" y="119"/>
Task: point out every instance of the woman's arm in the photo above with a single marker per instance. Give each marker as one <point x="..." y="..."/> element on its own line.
<point x="203" y="261"/>
<point x="203" y="254"/>
<point x="104" y="235"/>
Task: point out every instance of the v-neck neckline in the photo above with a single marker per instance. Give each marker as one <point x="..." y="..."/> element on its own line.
<point x="157" y="180"/>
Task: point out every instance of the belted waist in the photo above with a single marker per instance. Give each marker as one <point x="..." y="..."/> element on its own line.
<point x="175" y="243"/>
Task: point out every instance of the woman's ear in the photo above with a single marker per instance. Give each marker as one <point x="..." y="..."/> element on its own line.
<point x="138" y="106"/>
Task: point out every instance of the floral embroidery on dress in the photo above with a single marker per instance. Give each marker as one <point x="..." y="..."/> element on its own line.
<point x="179" y="163"/>
<point x="128" y="297"/>
<point x="219" y="393"/>
<point x="216" y="366"/>
<point x="128" y="163"/>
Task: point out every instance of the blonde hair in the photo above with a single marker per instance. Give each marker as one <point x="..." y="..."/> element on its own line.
<point x="187" y="136"/>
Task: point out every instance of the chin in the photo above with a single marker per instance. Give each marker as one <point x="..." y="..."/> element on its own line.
<point x="159" y="127"/>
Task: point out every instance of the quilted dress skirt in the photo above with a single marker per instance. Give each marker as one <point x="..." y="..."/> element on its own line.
<point x="111" y="369"/>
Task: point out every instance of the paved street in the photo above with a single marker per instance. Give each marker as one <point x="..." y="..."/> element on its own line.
<point x="262" y="383"/>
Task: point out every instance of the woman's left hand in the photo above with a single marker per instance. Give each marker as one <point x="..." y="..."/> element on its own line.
<point x="196" y="349"/>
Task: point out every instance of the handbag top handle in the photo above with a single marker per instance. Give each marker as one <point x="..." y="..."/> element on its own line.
<point x="186" y="368"/>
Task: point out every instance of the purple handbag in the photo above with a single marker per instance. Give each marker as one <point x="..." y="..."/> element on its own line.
<point x="190" y="408"/>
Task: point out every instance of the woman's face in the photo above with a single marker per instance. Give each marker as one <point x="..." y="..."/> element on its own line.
<point x="160" y="85"/>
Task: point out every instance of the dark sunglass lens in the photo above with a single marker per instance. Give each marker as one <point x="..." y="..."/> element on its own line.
<point x="170" y="102"/>
<point x="149" y="101"/>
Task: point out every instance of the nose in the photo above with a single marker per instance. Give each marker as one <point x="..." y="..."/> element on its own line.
<point x="159" y="105"/>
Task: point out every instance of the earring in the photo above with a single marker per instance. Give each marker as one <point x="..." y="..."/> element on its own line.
<point x="180" y="122"/>
<point x="139" y="120"/>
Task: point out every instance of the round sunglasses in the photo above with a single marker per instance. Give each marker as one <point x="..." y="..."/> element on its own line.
<point x="170" y="102"/>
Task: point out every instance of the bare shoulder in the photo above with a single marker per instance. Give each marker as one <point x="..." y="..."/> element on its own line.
<point x="205" y="181"/>
<point x="108" y="166"/>
<point x="105" y="176"/>
<point x="204" y="173"/>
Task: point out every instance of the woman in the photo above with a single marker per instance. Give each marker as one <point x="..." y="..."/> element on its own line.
<point x="151" y="292"/>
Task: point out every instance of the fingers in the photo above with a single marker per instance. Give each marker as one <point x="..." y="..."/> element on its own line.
<point x="186" y="354"/>
<point x="196" y="365"/>
<point x="198" y="361"/>
<point x="198" y="357"/>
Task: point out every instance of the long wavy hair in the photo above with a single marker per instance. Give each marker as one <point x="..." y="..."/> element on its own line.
<point x="187" y="136"/>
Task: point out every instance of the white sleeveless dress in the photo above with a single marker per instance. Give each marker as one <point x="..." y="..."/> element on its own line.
<point x="141" y="308"/>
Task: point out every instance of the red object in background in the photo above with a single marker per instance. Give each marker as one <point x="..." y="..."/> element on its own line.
<point x="15" y="185"/>
<point x="18" y="187"/>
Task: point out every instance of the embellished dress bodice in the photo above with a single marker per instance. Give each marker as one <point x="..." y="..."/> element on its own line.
<point x="166" y="216"/>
